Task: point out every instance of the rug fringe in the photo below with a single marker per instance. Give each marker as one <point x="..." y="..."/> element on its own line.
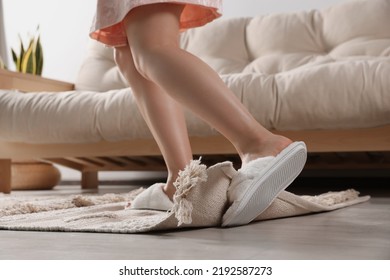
<point x="192" y="175"/>
<point x="333" y="198"/>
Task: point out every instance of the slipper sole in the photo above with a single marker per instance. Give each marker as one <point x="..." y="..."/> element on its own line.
<point x="276" y="177"/>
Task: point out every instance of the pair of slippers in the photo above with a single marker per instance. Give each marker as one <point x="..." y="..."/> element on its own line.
<point x="252" y="190"/>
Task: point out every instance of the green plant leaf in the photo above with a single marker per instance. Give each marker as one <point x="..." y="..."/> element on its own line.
<point x="21" y="45"/>
<point x="16" y="60"/>
<point x="28" y="64"/>
<point x="21" y="56"/>
<point x="14" y="56"/>
<point x="39" y="55"/>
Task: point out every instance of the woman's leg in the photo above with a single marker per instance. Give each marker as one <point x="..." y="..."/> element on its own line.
<point x="153" y="34"/>
<point x="163" y="115"/>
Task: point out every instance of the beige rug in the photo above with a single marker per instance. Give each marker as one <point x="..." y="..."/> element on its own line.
<point x="201" y="202"/>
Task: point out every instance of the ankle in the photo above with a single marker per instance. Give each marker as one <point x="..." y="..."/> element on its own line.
<point x="272" y="145"/>
<point x="173" y="172"/>
<point x="169" y="188"/>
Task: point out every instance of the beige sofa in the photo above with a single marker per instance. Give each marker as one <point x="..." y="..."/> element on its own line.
<point x="318" y="76"/>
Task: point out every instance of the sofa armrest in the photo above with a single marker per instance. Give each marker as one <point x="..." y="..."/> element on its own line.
<point x="28" y="82"/>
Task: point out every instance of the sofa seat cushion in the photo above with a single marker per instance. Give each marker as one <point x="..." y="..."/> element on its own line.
<point x="74" y="117"/>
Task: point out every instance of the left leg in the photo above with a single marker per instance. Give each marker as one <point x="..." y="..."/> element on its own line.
<point x="163" y="115"/>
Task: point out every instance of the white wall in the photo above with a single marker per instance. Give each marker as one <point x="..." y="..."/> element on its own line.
<point x="65" y="25"/>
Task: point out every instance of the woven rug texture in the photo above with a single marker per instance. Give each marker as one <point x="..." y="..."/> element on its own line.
<point x="201" y="203"/>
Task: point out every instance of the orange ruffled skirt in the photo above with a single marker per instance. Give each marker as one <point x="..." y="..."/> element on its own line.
<point x="107" y="26"/>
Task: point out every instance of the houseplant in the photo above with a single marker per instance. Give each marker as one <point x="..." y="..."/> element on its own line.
<point x="30" y="59"/>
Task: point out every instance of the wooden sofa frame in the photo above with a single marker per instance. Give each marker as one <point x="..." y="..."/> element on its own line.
<point x="143" y="154"/>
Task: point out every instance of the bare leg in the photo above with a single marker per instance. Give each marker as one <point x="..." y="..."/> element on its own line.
<point x="153" y="33"/>
<point x="163" y="115"/>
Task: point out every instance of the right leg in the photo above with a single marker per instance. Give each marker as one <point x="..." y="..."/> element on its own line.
<point x="153" y="32"/>
<point x="163" y="115"/>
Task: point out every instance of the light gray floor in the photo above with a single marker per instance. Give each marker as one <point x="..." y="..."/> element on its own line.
<point x="358" y="232"/>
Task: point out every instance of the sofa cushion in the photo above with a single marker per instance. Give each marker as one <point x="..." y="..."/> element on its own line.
<point x="75" y="117"/>
<point x="365" y="20"/>
<point x="222" y="44"/>
<point x="98" y="72"/>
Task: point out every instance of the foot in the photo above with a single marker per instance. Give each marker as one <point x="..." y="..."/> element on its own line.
<point x="260" y="181"/>
<point x="153" y="198"/>
<point x="158" y="196"/>
<point x="271" y="146"/>
<point x="169" y="190"/>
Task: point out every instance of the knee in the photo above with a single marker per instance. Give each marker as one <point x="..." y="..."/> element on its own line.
<point x="123" y="58"/>
<point x="151" y="57"/>
<point x="142" y="58"/>
<point x="125" y="62"/>
<point x="132" y="63"/>
<point x="128" y="62"/>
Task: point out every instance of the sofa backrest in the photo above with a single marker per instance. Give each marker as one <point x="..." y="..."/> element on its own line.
<point x="268" y="44"/>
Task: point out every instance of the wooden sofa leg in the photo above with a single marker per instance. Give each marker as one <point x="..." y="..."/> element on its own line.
<point x="89" y="180"/>
<point x="5" y="175"/>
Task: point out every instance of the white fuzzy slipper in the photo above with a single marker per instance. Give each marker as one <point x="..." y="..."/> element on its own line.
<point x="152" y="198"/>
<point x="259" y="182"/>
